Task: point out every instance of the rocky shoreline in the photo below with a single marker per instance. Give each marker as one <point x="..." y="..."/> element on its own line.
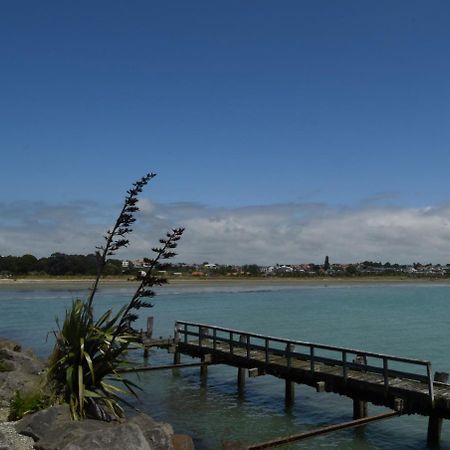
<point x="53" y="429"/>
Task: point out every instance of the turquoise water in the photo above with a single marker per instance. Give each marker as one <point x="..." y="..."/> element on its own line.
<point x="407" y="320"/>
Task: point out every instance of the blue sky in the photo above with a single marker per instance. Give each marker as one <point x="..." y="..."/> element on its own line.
<point x="322" y="109"/>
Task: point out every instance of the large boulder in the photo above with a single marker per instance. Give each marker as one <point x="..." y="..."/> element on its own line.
<point x="158" y="434"/>
<point x="119" y="437"/>
<point x="43" y="424"/>
<point x="53" y="429"/>
<point x="21" y="370"/>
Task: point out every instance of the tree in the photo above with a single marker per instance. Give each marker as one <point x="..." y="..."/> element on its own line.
<point x="26" y="264"/>
<point x="326" y="264"/>
<point x="252" y="269"/>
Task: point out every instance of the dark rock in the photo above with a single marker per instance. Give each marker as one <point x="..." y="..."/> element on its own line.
<point x="39" y="424"/>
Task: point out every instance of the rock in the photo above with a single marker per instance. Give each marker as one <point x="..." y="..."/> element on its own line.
<point x="41" y="423"/>
<point x="53" y="429"/>
<point x="10" y="345"/>
<point x="182" y="442"/>
<point x="158" y="434"/>
<point x="10" y="440"/>
<point x="24" y="374"/>
<point x="118" y="437"/>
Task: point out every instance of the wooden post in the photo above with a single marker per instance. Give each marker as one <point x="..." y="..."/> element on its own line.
<point x="435" y="422"/>
<point x="289" y="392"/>
<point x="289" y="348"/>
<point x="149" y="332"/>
<point x="204" y="368"/>
<point x="241" y="370"/>
<point x="203" y="338"/>
<point x="289" y="388"/>
<point x="360" y="409"/>
<point x="176" y="340"/>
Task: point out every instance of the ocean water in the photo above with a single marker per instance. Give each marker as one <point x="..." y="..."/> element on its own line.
<point x="410" y="320"/>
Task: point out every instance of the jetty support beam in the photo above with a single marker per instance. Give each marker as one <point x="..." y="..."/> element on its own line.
<point x="241" y="370"/>
<point x="205" y="360"/>
<point x="360" y="408"/>
<point x="289" y="395"/>
<point x="434" y="421"/>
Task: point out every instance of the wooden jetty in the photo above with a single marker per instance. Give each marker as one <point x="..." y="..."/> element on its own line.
<point x="406" y="385"/>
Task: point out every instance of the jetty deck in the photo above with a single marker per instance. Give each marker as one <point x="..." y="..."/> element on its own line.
<point x="406" y="385"/>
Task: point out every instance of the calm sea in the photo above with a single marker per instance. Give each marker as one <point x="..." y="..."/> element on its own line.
<point x="407" y="320"/>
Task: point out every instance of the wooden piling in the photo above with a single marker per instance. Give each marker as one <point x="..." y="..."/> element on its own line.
<point x="203" y="336"/>
<point x="241" y="370"/>
<point x="241" y="380"/>
<point x="360" y="408"/>
<point x="149" y="332"/>
<point x="205" y="360"/>
<point x="289" y="392"/>
<point x="434" y="421"/>
<point x="289" y="388"/>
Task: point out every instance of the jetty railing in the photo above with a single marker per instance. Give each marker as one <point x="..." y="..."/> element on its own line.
<point x="347" y="358"/>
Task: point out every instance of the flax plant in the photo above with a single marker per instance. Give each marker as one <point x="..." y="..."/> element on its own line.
<point x="83" y="367"/>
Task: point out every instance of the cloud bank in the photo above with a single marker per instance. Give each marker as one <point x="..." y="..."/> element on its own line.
<point x="269" y="234"/>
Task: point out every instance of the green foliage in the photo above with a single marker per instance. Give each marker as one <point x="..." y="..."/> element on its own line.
<point x="28" y="402"/>
<point x="57" y="264"/>
<point x="85" y="359"/>
<point x="5" y="366"/>
<point x="83" y="367"/>
<point x="251" y="269"/>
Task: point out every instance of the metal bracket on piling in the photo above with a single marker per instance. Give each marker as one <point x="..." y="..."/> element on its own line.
<point x="399" y="404"/>
<point x="320" y="386"/>
<point x="256" y="372"/>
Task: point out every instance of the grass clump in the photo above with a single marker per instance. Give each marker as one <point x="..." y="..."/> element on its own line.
<point x="27" y="402"/>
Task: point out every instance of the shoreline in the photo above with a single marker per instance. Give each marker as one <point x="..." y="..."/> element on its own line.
<point x="81" y="282"/>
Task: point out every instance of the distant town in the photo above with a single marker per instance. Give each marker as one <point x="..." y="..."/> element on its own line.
<point x="368" y="268"/>
<point x="60" y="264"/>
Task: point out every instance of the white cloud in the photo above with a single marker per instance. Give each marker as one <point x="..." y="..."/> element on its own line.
<point x="283" y="233"/>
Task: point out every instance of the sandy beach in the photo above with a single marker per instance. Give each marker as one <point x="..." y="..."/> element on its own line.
<point x="120" y="282"/>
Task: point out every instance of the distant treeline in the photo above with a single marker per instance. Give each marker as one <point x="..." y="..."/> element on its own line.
<point x="56" y="264"/>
